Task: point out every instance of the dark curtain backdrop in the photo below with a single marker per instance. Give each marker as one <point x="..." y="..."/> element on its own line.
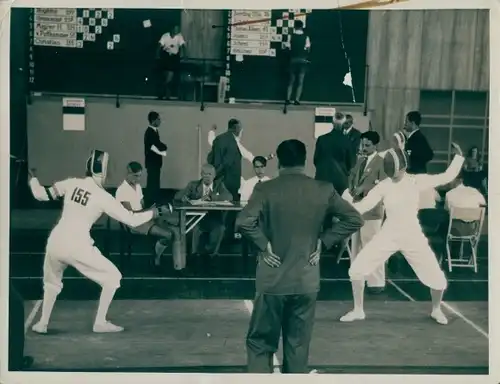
<point x="265" y="78"/>
<point x="127" y="69"/>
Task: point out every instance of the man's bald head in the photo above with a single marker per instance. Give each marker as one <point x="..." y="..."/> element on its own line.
<point x="207" y="174"/>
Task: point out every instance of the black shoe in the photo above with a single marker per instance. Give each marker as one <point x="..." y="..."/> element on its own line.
<point x="296" y="102"/>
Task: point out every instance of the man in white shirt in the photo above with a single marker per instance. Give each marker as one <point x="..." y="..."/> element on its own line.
<point x="129" y="194"/>
<point x="70" y="243"/>
<point x="259" y="166"/>
<point x="401" y="231"/>
<point x="170" y="49"/>
<point x="463" y="195"/>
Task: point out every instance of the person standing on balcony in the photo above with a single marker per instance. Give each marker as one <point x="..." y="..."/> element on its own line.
<point x="170" y="49"/>
<point x="299" y="48"/>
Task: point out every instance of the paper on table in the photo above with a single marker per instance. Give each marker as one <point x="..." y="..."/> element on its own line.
<point x="198" y="202"/>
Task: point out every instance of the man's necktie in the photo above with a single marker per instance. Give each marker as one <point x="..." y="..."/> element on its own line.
<point x="206" y="195"/>
<point x="363" y="165"/>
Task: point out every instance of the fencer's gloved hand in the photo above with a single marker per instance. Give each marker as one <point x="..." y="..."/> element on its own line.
<point x="165" y="209"/>
<point x="159" y="211"/>
<point x="456" y="149"/>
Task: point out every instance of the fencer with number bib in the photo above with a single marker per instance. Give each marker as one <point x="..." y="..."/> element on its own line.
<point x="401" y="230"/>
<point x="70" y="243"/>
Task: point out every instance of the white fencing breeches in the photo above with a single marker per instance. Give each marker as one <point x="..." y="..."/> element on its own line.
<point x="86" y="258"/>
<point x="359" y="240"/>
<point x="414" y="246"/>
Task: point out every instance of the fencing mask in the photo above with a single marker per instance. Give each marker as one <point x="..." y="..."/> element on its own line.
<point x="97" y="165"/>
<point x="395" y="161"/>
<point x="399" y="140"/>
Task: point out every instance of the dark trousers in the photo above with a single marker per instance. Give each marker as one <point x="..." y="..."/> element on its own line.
<point x="231" y="215"/>
<point x="272" y="314"/>
<point x="16" y="330"/>
<point x="152" y="186"/>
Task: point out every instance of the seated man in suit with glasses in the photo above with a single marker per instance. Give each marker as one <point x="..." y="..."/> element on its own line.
<point x="212" y="225"/>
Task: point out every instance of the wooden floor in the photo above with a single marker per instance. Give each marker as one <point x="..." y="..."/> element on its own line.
<point x="209" y="335"/>
<point x="197" y="322"/>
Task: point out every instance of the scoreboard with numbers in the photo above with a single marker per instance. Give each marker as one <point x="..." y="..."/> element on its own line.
<point x="95" y="50"/>
<point x="257" y="63"/>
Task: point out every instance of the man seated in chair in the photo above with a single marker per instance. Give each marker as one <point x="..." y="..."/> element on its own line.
<point x="206" y="189"/>
<point x="166" y="228"/>
<point x="463" y="195"/>
<point x="259" y="166"/>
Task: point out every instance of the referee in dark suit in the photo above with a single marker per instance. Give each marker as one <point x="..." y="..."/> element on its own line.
<point x="417" y="147"/>
<point x="154" y="152"/>
<point x="284" y="219"/>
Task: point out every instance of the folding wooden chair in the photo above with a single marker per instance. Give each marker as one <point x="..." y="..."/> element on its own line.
<point x="346" y="247"/>
<point x="464" y="227"/>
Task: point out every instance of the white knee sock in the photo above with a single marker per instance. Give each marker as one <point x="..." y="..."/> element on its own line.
<point x="358" y="293"/>
<point x="105" y="300"/>
<point x="49" y="299"/>
<point x="436" y="297"/>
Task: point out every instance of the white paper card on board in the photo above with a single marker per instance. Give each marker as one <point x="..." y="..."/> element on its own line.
<point x="146" y="23"/>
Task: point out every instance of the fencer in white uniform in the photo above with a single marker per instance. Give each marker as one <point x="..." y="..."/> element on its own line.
<point x="401" y="230"/>
<point x="70" y="243"/>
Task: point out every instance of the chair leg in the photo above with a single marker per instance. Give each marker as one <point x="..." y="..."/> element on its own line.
<point x="474" y="254"/>
<point x="448" y="252"/>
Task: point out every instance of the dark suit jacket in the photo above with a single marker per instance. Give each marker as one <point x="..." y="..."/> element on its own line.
<point x="354" y="137"/>
<point x="419" y="153"/>
<point x="372" y="175"/>
<point x="288" y="212"/>
<point x="333" y="159"/>
<point x="225" y="156"/>
<point x="152" y="159"/>
<point x="194" y="191"/>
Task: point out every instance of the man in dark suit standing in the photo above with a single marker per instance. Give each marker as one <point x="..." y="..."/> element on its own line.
<point x="284" y="219"/>
<point x="353" y="135"/>
<point x="417" y="147"/>
<point x="154" y="152"/>
<point x="333" y="156"/>
<point x="226" y="157"/>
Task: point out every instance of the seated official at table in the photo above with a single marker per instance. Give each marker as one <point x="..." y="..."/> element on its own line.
<point x="259" y="166"/>
<point x="206" y="189"/>
<point x="129" y="193"/>
<point x="463" y="195"/>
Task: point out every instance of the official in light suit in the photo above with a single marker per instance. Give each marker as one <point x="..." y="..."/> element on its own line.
<point x="284" y="219"/>
<point x="401" y="231"/>
<point x="367" y="173"/>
